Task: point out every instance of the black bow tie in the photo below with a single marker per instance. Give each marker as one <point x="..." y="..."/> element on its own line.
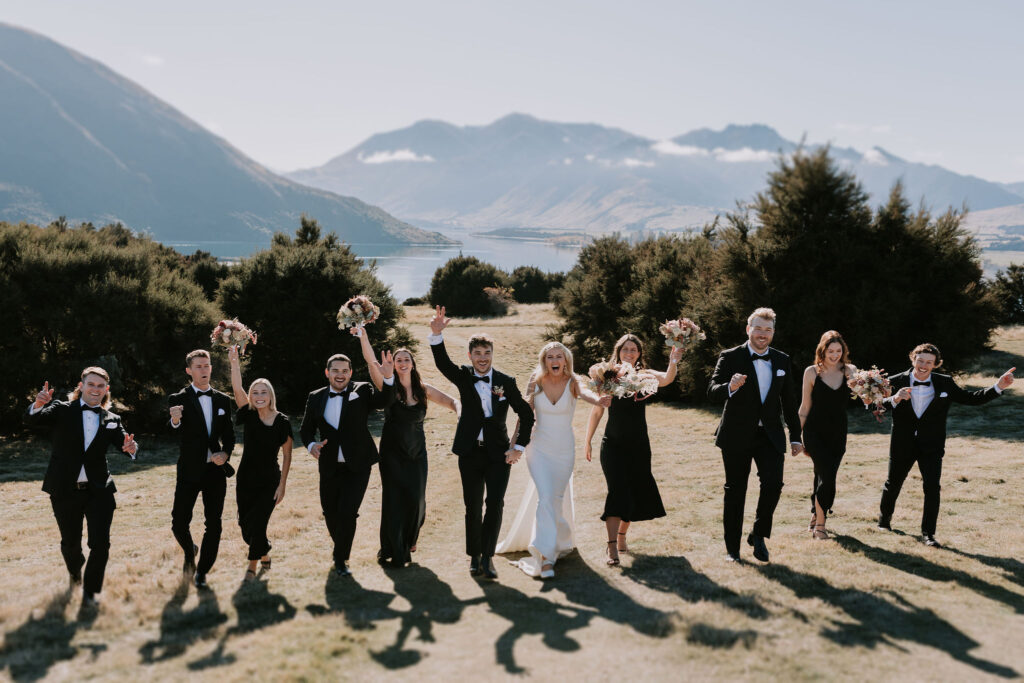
<point x="485" y="379"/>
<point x="764" y="357"/>
<point x="922" y="384"/>
<point x="94" y="409"/>
<point x="332" y="394"/>
<point x="208" y="392"/>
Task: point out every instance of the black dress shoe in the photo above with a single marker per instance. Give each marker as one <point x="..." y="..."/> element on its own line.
<point x="382" y="559"/>
<point x="90" y="600"/>
<point x="760" y="549"/>
<point x="885" y="523"/>
<point x="200" y="580"/>
<point x="75" y="579"/>
<point x="189" y="567"/>
<point x="487" y="568"/>
<point x="342" y="570"/>
<point x="474" y="566"/>
<point x="930" y="541"/>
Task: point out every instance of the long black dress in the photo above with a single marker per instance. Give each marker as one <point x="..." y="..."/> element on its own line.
<point x="626" y="461"/>
<point x="258" y="476"/>
<point x="825" y="438"/>
<point x="403" y="476"/>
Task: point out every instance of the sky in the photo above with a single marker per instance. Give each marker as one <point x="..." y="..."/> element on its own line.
<point x="295" y="84"/>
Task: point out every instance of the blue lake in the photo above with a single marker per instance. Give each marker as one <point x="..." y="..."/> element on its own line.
<point x="408" y="269"/>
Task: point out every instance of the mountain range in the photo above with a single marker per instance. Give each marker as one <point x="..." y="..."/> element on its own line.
<point x="77" y="139"/>
<point x="524" y="173"/>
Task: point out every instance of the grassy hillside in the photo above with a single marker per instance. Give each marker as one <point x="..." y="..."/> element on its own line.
<point x="867" y="605"/>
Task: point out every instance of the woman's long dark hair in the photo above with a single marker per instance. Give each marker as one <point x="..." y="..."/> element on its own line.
<point x="639" y="347"/>
<point x="419" y="392"/>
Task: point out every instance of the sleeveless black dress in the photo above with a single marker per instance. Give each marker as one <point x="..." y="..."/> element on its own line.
<point x="626" y="462"/>
<point x="258" y="476"/>
<point x="403" y="476"/>
<point x="825" y="437"/>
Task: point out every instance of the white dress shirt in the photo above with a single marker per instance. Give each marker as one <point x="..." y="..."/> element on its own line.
<point x="90" y="427"/>
<point x="921" y="395"/>
<point x="206" y="403"/>
<point x="763" y="369"/>
<point x="332" y="413"/>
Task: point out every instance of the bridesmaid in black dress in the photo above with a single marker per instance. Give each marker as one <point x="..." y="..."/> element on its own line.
<point x="403" y="454"/>
<point x="626" y="452"/>
<point x="826" y="398"/>
<point x="260" y="483"/>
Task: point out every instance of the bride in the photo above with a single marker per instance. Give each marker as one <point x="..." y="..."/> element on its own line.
<point x="543" y="524"/>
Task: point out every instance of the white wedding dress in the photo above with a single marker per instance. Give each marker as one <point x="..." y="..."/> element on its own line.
<point x="544" y="523"/>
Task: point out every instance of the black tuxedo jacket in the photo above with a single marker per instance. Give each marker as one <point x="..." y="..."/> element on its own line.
<point x="193" y="440"/>
<point x="472" y="420"/>
<point x="743" y="410"/>
<point x="352" y="434"/>
<point x="69" y="453"/>
<point x="930" y="428"/>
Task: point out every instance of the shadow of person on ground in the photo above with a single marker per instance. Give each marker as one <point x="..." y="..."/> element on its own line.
<point x="257" y="608"/>
<point x="877" y="621"/>
<point x="532" y="616"/>
<point x="360" y="606"/>
<point x="31" y="649"/>
<point x="919" y="566"/>
<point x="180" y="629"/>
<point x="1012" y="567"/>
<point x="431" y="601"/>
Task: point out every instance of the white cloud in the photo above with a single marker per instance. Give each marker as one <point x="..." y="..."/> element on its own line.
<point x="395" y="155"/>
<point x="590" y="157"/>
<point x="673" y="149"/>
<point x="152" y="60"/>
<point x="874" y="158"/>
<point x="635" y="163"/>
<point x="567" y="161"/>
<point x="565" y="139"/>
<point x="743" y="155"/>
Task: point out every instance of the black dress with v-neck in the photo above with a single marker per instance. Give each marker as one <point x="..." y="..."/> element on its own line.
<point x="626" y="461"/>
<point x="403" y="475"/>
<point x="825" y="437"/>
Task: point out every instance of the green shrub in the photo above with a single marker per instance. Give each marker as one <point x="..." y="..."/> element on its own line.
<point x="459" y="286"/>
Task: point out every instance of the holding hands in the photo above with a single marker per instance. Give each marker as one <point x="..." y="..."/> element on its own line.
<point x="512" y="456"/>
<point x="46" y="395"/>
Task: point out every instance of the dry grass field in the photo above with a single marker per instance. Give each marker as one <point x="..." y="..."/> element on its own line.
<point x="868" y="605"/>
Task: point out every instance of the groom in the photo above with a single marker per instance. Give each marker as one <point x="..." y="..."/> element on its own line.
<point x="481" y="438"/>
<point x="756" y="383"/>
<point x="920" y="404"/>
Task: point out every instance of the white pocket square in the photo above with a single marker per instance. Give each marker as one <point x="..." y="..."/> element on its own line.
<point x="501" y="398"/>
<point x="220" y="411"/>
<point x="780" y="373"/>
<point x="111" y="425"/>
<point x="943" y="395"/>
<point x="352" y="396"/>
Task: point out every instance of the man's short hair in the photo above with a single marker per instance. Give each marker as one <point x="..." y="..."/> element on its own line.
<point x="764" y="313"/>
<point x="339" y="357"/>
<point x="480" y="339"/>
<point x="927" y="348"/>
<point x="198" y="353"/>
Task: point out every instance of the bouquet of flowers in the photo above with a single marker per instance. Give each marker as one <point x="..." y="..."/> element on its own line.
<point x="357" y="312"/>
<point x="872" y="387"/>
<point x="230" y="333"/>
<point x="682" y="334"/>
<point x="609" y="379"/>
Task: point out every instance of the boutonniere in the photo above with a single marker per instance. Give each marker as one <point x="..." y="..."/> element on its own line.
<point x="498" y="391"/>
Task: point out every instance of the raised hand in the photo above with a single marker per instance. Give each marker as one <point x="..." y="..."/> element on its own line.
<point x="175" y="412"/>
<point x="1006" y="380"/>
<point x="737" y="381"/>
<point x="46" y="395"/>
<point x="233" y="354"/>
<point x="129" y="445"/>
<point x="387" y="364"/>
<point x="675" y="355"/>
<point x="356" y="331"/>
<point x="316" y="448"/>
<point x="439" y="322"/>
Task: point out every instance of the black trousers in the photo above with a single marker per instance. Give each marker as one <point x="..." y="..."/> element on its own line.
<point x="737" y="470"/>
<point x="929" y="463"/>
<point x="341" y="493"/>
<point x="212" y="487"/>
<point x="483" y="474"/>
<point x="96" y="507"/>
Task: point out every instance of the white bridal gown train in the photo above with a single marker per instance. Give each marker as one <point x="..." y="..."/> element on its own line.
<point x="544" y="522"/>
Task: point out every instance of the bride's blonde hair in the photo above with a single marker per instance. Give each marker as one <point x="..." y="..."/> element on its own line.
<point x="541" y="372"/>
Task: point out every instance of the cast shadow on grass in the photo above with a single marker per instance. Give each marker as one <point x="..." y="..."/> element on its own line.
<point x="180" y="629"/>
<point x="918" y="566"/>
<point x="431" y="601"/>
<point x="1013" y="567"/>
<point x="31" y="649"/>
<point x="257" y="608"/>
<point x="360" y="607"/>
<point x="877" y="621"/>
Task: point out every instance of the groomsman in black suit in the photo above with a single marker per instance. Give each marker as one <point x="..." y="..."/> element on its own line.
<point x="77" y="478"/>
<point x="921" y="401"/>
<point x="481" y="439"/>
<point x="201" y="419"/>
<point x="346" y="452"/>
<point x="756" y="383"/>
